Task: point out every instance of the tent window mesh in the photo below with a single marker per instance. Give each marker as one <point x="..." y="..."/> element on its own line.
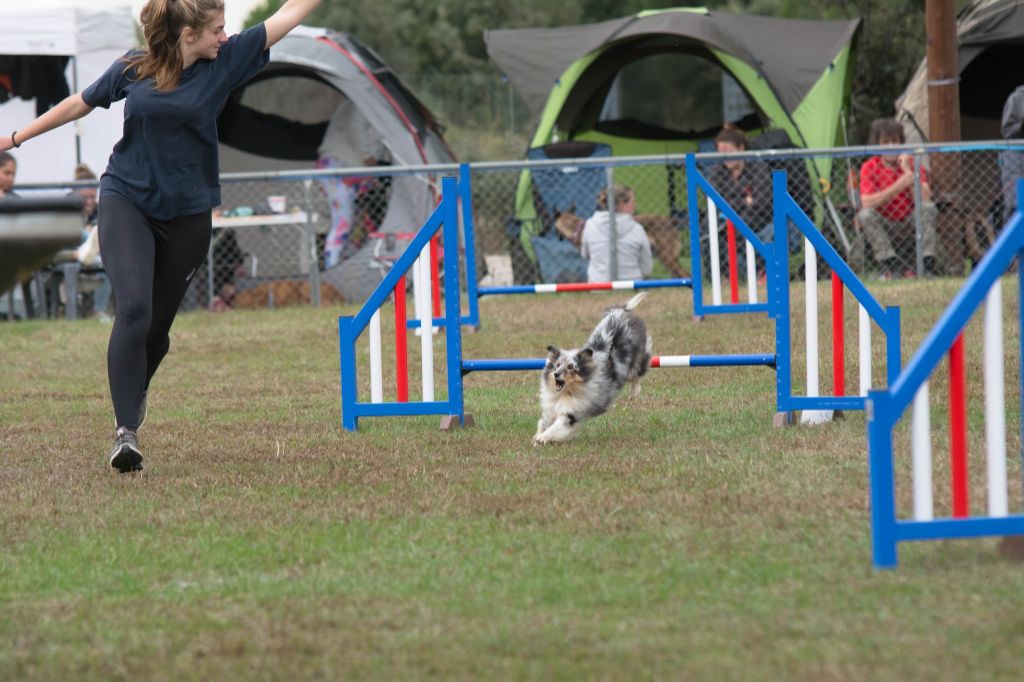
<point x="681" y="92"/>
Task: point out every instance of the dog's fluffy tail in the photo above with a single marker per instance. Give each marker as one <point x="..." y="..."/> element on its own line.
<point x="635" y="301"/>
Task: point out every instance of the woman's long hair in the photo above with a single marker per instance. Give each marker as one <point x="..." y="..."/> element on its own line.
<point x="163" y="22"/>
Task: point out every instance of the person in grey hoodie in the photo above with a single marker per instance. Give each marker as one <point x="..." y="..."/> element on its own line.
<point x="632" y="247"/>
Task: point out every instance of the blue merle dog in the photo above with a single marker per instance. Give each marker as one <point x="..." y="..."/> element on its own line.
<point x="579" y="384"/>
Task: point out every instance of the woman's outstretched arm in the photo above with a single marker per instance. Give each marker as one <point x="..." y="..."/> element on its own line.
<point x="70" y="109"/>
<point x="288" y="17"/>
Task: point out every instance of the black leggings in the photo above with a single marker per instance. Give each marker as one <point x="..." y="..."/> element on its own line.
<point x="150" y="264"/>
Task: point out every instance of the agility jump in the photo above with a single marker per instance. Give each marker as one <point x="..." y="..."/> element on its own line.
<point x="446" y="217"/>
<point x="869" y="311"/>
<point x="889" y="406"/>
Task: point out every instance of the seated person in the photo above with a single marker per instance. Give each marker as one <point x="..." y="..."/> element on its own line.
<point x="633" y="249"/>
<point x="88" y="253"/>
<point x="745" y="185"/>
<point x="661" y="230"/>
<point x="91" y="278"/>
<point x="8" y="171"/>
<point x="887" y="198"/>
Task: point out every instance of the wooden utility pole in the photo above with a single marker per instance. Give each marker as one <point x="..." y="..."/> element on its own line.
<point x="943" y="71"/>
<point x="944" y="123"/>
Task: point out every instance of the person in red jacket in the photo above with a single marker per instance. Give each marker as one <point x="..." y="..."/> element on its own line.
<point x="887" y="200"/>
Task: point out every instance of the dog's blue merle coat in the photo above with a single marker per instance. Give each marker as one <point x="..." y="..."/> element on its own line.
<point x="582" y="383"/>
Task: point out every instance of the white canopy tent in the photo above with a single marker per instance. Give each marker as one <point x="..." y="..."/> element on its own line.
<point x="92" y="38"/>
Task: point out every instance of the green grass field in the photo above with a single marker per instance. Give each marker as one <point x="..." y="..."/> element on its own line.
<point x="679" y="537"/>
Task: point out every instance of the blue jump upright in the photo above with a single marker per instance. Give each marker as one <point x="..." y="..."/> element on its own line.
<point x="786" y="210"/>
<point x="888" y="406"/>
<point x="445" y="216"/>
<point x="695" y="181"/>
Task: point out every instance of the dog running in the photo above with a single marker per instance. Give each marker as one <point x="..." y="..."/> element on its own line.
<point x="578" y="384"/>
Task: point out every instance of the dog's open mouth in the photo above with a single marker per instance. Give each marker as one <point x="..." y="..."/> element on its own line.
<point x="559" y="384"/>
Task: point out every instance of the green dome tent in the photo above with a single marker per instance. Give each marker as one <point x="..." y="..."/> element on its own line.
<point x="659" y="82"/>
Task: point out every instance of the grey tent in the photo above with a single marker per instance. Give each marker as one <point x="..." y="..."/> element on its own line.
<point x="990" y="34"/>
<point x="326" y="91"/>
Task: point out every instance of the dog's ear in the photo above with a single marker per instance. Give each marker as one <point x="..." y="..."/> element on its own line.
<point x="553" y="352"/>
<point x="585" y="355"/>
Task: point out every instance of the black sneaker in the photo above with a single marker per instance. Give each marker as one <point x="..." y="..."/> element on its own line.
<point x="126" y="456"/>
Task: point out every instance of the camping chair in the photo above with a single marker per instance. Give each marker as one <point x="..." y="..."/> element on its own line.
<point x="559" y="193"/>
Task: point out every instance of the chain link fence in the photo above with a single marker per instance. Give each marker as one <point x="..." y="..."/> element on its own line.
<point x="531" y="216"/>
<point x="310" y="238"/>
<point x="323" y="237"/>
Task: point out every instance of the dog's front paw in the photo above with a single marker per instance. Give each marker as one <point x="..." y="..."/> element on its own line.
<point x="539" y="440"/>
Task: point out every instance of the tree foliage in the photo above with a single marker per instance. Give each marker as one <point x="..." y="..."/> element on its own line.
<point x="427" y="41"/>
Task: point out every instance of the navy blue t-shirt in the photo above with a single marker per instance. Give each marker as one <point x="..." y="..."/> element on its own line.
<point x="166" y="162"/>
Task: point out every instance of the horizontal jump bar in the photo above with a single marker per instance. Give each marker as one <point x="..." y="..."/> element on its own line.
<point x="512" y="365"/>
<point x="585" y="286"/>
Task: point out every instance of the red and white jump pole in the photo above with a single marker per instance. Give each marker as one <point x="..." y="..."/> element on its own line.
<point x="751" y="273"/>
<point x="424" y="313"/>
<point x="838" y="337"/>
<point x="734" y="275"/>
<point x="995" y="403"/>
<point x="864" y="345"/>
<point x="716" y="270"/>
<point x="732" y="255"/>
<point x="401" y="350"/>
<point x="995" y="425"/>
<point x="811" y="335"/>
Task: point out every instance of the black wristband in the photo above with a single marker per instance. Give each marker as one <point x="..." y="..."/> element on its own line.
<point x="14" y="143"/>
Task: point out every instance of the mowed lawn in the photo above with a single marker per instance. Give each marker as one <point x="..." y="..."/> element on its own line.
<point x="679" y="537"/>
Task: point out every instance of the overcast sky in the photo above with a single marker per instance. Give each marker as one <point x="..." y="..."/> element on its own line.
<point x="235" y="11"/>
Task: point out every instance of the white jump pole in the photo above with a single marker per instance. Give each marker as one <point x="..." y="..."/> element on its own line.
<point x="811" y="313"/>
<point x="921" y="448"/>
<point x="376" y="363"/>
<point x="751" y="274"/>
<point x="425" y="316"/>
<point x="864" y="344"/>
<point x="417" y="293"/>
<point x="716" y="272"/>
<point x="995" y="399"/>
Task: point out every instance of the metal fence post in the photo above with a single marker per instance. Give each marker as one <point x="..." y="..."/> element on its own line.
<point x="314" y="261"/>
<point x="209" y="273"/>
<point x="918" y="220"/>
<point x="613" y="237"/>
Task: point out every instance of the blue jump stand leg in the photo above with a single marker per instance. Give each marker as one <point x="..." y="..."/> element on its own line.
<point x="348" y="373"/>
<point x="881" y="481"/>
<point x="456" y="416"/>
